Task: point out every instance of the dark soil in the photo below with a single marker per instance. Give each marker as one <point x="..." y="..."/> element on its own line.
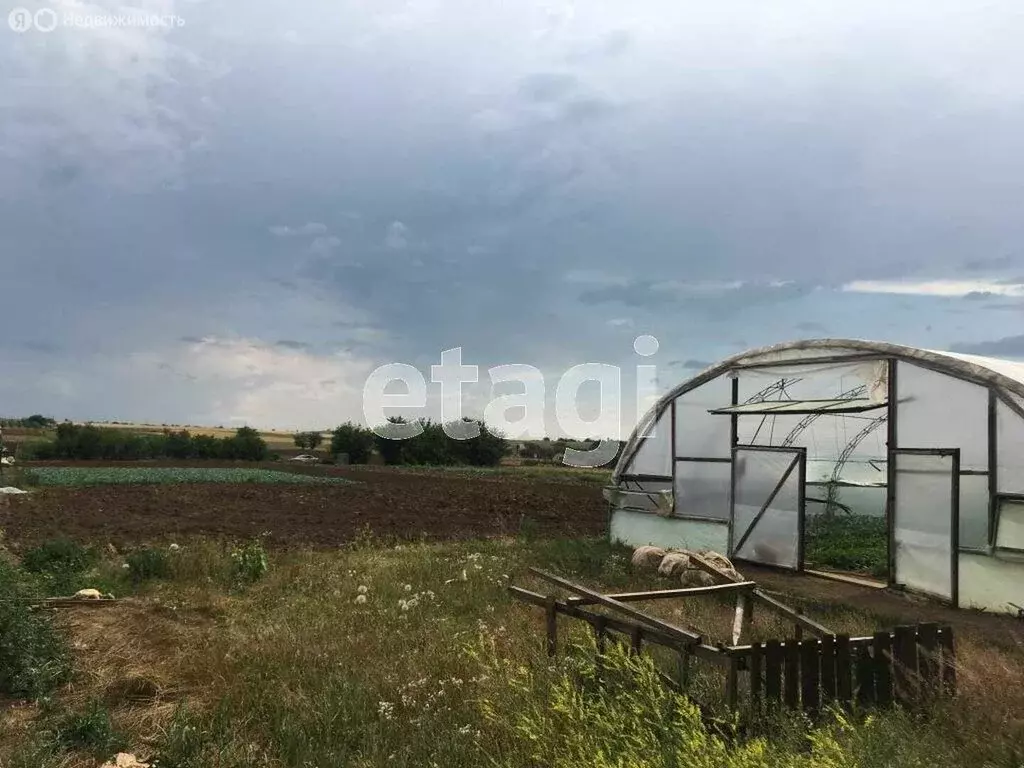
<point x="390" y="503"/>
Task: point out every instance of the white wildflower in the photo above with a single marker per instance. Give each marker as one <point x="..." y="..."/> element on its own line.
<point x="363" y="589"/>
<point x="360" y="599"/>
<point x="174" y="547"/>
<point x="408" y="587"/>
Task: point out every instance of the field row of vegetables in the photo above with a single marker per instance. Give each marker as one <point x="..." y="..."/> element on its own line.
<point x="86" y="476"/>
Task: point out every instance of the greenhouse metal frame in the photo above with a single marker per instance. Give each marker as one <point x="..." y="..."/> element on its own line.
<point x="734" y="458"/>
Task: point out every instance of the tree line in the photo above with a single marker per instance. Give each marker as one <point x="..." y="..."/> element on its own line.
<point x="432" y="446"/>
<point x="85" y="442"/>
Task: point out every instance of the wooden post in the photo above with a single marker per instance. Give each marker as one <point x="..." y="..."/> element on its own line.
<point x="773" y="671"/>
<point x="551" y="616"/>
<point x="865" y="671"/>
<point x="683" y="668"/>
<point x="636" y="639"/>
<point x="844" y="671"/>
<point x="755" y="676"/>
<point x="882" y="654"/>
<point x="928" y="662"/>
<point x="828" y="669"/>
<point x="792" y="673"/>
<point x="809" y="674"/>
<point x="742" y="601"/>
<point x="904" y="666"/>
<point x="732" y="683"/>
<point x="948" y="661"/>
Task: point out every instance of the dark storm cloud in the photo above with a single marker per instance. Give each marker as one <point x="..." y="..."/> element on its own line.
<point x="396" y="178"/>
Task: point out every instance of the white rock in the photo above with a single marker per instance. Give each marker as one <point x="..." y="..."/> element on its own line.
<point x="674" y="563"/>
<point x="647" y="556"/>
<point x="11" y="490"/>
<point x="88" y="594"/>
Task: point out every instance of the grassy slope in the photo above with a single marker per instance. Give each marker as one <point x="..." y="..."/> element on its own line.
<point x="296" y="671"/>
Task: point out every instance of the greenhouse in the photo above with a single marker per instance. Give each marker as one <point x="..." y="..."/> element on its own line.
<point x="926" y="448"/>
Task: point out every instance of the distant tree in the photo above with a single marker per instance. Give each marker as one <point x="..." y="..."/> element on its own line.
<point x="354" y="440"/>
<point x="391" y="450"/>
<point x="308" y="440"/>
<point x="246" y="445"/>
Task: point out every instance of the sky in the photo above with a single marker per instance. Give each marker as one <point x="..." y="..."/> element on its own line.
<point x="236" y="215"/>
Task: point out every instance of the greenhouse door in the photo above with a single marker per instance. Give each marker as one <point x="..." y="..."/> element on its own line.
<point x="926" y="523"/>
<point x="768" y="505"/>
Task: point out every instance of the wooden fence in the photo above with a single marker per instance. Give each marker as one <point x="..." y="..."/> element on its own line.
<point x="909" y="665"/>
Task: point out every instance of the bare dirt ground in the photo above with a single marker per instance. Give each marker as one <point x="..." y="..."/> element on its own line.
<point x="390" y="503"/>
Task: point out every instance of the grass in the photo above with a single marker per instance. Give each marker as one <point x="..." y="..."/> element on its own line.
<point x="855" y="543"/>
<point x="415" y="655"/>
<point x="89" y="476"/>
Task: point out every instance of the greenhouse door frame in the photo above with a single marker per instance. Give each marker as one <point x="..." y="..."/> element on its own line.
<point x="954" y="513"/>
<point x="798" y="465"/>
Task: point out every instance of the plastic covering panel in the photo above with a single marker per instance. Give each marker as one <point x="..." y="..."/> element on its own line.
<point x="1010" y="447"/>
<point x="636" y="529"/>
<point x="654" y="456"/>
<point x="816" y="381"/>
<point x="1010" y="532"/>
<point x="699" y="433"/>
<point x="974" y="512"/>
<point x="936" y="410"/>
<point x="702" y="489"/>
<point x="774" y="538"/>
<point x="992" y="583"/>
<point x="923" y="523"/>
<point x="641" y="495"/>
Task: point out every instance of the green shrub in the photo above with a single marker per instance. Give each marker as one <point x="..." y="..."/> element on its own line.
<point x="61" y="565"/>
<point x="249" y="563"/>
<point x="148" y="563"/>
<point x="59" y="555"/>
<point x="89" y="730"/>
<point x="34" y="658"/>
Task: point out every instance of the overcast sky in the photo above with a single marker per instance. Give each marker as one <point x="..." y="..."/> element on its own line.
<point x="236" y="218"/>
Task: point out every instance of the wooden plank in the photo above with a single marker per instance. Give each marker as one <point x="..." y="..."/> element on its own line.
<point x="948" y="661"/>
<point x="755" y="665"/>
<point x="844" y="671"/>
<point x="881" y="654"/>
<point x="904" y="665"/>
<point x="791" y="673"/>
<point x="927" y="658"/>
<point x="795" y="616"/>
<point x="828" y="669"/>
<point x="742" y="600"/>
<point x="809" y="676"/>
<point x="651" y="635"/>
<point x="773" y="671"/>
<point x="864" y="670"/>
<point x="658" y="594"/>
<point x="714" y="570"/>
<point x="671" y="629"/>
<point x="551" y="624"/>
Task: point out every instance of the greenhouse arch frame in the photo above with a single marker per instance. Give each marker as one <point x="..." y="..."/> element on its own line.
<point x="746" y="455"/>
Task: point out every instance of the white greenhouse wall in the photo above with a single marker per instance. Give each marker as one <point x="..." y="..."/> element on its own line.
<point x="699" y="433"/>
<point x="636" y="529"/>
<point x="654" y="457"/>
<point x="936" y="410"/>
<point x="991" y="583"/>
